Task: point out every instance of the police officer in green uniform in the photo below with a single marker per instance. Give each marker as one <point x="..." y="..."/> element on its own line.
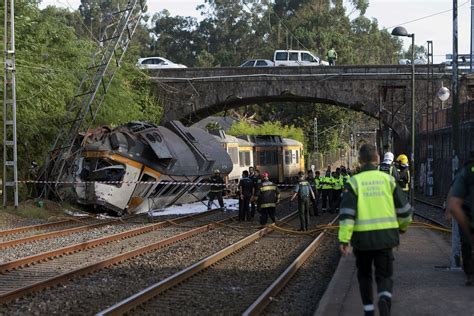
<point x="461" y="206"/>
<point x="268" y="198"/>
<point x="338" y="183"/>
<point x="326" y="189"/>
<point x="303" y="191"/>
<point x="317" y="181"/>
<point x="314" y="202"/>
<point x="373" y="212"/>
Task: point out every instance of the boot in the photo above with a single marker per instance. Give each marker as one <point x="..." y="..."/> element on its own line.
<point x="384" y="305"/>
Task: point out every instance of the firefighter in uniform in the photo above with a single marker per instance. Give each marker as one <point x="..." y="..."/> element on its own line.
<point x="257" y="181"/>
<point x="388" y="167"/>
<point x="217" y="188"/>
<point x="373" y="213"/>
<point x="303" y="191"/>
<point x="246" y="192"/>
<point x="268" y="198"/>
<point x="403" y="173"/>
<point x="314" y="202"/>
<point x="326" y="190"/>
<point x="461" y="207"/>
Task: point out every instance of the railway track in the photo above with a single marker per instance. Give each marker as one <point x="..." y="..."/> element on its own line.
<point x="431" y="213"/>
<point x="225" y="280"/>
<point x="36" y="233"/>
<point x="31" y="274"/>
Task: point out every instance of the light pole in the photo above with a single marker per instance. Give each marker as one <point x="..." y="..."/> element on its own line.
<point x="401" y="31"/>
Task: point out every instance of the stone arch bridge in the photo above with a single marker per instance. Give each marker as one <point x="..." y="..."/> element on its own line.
<point x="379" y="91"/>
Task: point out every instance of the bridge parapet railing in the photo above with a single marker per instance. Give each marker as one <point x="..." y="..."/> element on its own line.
<point x="201" y="73"/>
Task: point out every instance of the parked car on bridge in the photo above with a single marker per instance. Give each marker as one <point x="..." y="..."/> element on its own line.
<point x="418" y="61"/>
<point x="157" y="63"/>
<point x="295" y="58"/>
<point x="258" y="63"/>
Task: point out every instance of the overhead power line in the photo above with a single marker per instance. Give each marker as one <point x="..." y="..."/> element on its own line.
<point x="425" y="17"/>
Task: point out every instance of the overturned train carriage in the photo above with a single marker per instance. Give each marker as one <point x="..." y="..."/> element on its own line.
<point x="142" y="163"/>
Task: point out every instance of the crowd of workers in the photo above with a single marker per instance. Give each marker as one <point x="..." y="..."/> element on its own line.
<point x="372" y="202"/>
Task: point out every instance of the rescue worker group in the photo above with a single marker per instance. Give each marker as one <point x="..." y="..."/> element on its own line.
<point x="372" y="202"/>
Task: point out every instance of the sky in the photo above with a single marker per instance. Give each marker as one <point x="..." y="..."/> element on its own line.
<point x="389" y="13"/>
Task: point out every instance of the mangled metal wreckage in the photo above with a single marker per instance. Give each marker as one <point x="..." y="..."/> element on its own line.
<point x="140" y="166"/>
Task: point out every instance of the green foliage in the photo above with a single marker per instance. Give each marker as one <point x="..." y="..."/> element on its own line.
<point x="267" y="128"/>
<point x="213" y="126"/>
<point x="53" y="52"/>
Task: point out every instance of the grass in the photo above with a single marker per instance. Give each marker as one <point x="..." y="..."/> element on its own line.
<point x="29" y="209"/>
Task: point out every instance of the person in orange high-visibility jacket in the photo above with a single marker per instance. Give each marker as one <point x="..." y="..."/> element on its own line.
<point x="373" y="212"/>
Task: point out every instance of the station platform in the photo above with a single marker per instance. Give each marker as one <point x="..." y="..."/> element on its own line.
<point x="421" y="287"/>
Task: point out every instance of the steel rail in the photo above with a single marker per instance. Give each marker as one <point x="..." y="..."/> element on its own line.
<point x="429" y="203"/>
<point x="23" y="229"/>
<point x="91" y="268"/>
<point x="432" y="220"/>
<point x="173" y="280"/>
<point x="57" y="233"/>
<point x="265" y="298"/>
<point x="15" y="264"/>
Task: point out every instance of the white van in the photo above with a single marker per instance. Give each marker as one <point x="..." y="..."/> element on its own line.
<point x="295" y="58"/>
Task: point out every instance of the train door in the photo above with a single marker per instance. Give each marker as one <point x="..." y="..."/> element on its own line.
<point x="281" y="170"/>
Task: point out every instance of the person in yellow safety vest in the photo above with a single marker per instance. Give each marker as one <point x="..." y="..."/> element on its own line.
<point x="337" y="189"/>
<point x="326" y="191"/>
<point x="374" y="211"/>
<point x="317" y="180"/>
<point x="404" y="177"/>
<point x="345" y="176"/>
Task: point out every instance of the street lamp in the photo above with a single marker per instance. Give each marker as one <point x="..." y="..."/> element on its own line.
<point x="401" y="31"/>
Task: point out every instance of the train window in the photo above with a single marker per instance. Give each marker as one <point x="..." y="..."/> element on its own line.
<point x="287" y="157"/>
<point x="244" y="157"/>
<point x="143" y="188"/>
<point x="297" y="156"/>
<point x="109" y="173"/>
<point x="234" y="154"/>
<point x="160" y="188"/>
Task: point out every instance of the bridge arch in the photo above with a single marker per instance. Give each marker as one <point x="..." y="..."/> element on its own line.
<point x="378" y="91"/>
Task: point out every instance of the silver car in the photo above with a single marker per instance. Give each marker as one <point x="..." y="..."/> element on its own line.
<point x="258" y="63"/>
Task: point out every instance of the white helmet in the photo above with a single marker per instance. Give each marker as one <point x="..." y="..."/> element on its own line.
<point x="388" y="158"/>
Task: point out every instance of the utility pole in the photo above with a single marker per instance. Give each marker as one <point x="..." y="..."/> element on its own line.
<point x="455" y="108"/>
<point x="472" y="36"/>
<point x="315" y="136"/>
<point x="10" y="169"/>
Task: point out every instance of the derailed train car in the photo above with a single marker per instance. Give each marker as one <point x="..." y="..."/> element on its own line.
<point x="140" y="166"/>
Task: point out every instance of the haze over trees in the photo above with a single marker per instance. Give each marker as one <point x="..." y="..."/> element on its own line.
<point x="54" y="47"/>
